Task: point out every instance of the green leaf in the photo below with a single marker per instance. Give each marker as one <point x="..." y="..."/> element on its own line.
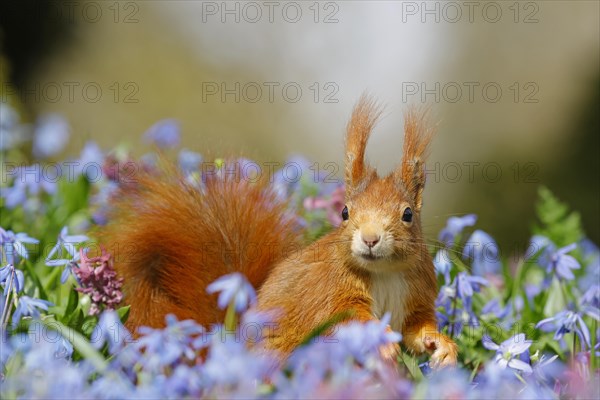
<point x="559" y="224"/>
<point x="72" y="302"/>
<point x="123" y="313"/>
<point x="80" y="344"/>
<point x="325" y="326"/>
<point x="556" y="300"/>
<point x="412" y="365"/>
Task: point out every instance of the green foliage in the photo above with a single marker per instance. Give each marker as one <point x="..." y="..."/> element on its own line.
<point x="558" y="223"/>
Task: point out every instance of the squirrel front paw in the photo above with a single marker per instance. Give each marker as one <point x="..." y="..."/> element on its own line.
<point x="389" y="353"/>
<point x="444" y="351"/>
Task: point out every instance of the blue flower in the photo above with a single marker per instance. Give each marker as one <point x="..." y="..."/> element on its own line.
<point x="28" y="180"/>
<point x="230" y="364"/>
<point x="233" y="288"/>
<point x="189" y="161"/>
<point x="536" y="244"/>
<point x="51" y="135"/>
<point x="90" y="162"/>
<point x="15" y="243"/>
<point x="545" y="370"/>
<point x="454" y="226"/>
<point x="28" y="306"/>
<point x="11" y="278"/>
<point x="560" y="262"/>
<point x="507" y="350"/>
<point x="68" y="243"/>
<point x="467" y="285"/>
<point x="160" y="348"/>
<point x="442" y="264"/>
<point x="164" y="134"/>
<point x="11" y="132"/>
<point x="110" y="330"/>
<point x="569" y="321"/>
<point x="484" y="252"/>
<point x="591" y="297"/>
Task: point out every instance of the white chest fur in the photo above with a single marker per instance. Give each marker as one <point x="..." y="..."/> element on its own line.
<point x="389" y="291"/>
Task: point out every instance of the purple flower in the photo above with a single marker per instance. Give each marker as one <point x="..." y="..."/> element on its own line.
<point x="51" y="135"/>
<point x="484" y="252"/>
<point x="11" y="278"/>
<point x="233" y="288"/>
<point x="454" y="226"/>
<point x="569" y="321"/>
<point x="164" y="134"/>
<point x="15" y="243"/>
<point x="28" y="306"/>
<point x="99" y="280"/>
<point x="507" y="350"/>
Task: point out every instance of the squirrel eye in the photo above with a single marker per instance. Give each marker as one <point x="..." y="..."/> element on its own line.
<point x="345" y="214"/>
<point x="407" y="215"/>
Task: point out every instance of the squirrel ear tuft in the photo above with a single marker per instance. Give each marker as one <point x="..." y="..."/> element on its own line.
<point x="363" y="119"/>
<point x="411" y="173"/>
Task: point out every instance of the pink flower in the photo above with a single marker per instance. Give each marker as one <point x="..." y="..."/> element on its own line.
<point x="333" y="205"/>
<point x="99" y="280"/>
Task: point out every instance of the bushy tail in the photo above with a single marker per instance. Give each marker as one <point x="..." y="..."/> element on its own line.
<point x="170" y="239"/>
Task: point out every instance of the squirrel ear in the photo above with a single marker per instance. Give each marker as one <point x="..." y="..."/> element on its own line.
<point x="411" y="173"/>
<point x="364" y="116"/>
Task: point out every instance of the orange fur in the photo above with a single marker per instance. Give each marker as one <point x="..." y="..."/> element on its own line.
<point x="330" y="276"/>
<point x="172" y="240"/>
<point x="184" y="239"/>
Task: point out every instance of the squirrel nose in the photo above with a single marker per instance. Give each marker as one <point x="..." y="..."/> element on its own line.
<point x="371" y="239"/>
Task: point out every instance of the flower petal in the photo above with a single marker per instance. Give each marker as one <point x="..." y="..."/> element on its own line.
<point x="520" y="365"/>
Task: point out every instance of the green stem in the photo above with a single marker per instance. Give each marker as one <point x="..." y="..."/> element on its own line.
<point x="52" y="278"/>
<point x="80" y="343"/>
<point x="574" y="351"/>
<point x="230" y="318"/>
<point x="36" y="281"/>
<point x="516" y="286"/>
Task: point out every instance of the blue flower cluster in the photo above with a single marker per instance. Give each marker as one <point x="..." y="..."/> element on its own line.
<point x="529" y="327"/>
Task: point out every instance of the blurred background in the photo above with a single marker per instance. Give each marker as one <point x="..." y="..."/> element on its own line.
<point x="514" y="88"/>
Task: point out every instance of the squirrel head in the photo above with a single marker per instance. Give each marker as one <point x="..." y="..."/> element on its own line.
<point x="381" y="219"/>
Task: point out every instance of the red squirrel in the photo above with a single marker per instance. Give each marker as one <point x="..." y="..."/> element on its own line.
<point x="182" y="239"/>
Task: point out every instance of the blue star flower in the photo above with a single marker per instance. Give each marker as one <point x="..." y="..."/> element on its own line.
<point x="560" y="263"/>
<point x="51" y="135"/>
<point x="15" y="243"/>
<point x="484" y="252"/>
<point x="110" y="330"/>
<point x="569" y="321"/>
<point x="508" y="350"/>
<point x="68" y="243"/>
<point x="454" y="226"/>
<point x="233" y="288"/>
<point x="28" y="306"/>
<point x="164" y="134"/>
<point x="11" y="278"/>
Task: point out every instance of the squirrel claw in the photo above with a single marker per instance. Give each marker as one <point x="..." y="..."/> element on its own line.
<point x="444" y="350"/>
